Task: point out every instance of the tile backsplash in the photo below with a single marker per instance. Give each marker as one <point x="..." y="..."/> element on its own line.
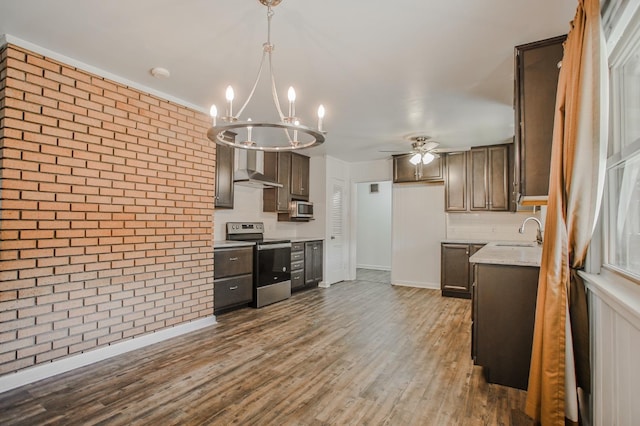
<point x="491" y="226"/>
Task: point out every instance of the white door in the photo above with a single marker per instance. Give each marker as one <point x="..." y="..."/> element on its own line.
<point x="337" y="252"/>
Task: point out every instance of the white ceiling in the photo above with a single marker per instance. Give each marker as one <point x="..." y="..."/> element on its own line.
<point x="383" y="69"/>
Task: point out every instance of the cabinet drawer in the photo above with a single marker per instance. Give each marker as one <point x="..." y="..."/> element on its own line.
<point x="297" y="255"/>
<point x="297" y="247"/>
<point x="231" y="262"/>
<point x="297" y="279"/>
<point x="297" y="265"/>
<point x="232" y="291"/>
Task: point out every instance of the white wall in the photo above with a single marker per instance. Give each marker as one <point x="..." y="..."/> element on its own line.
<point x="419" y="226"/>
<point x="614" y="316"/>
<point x="373" y="226"/>
<point x="247" y="207"/>
<point x="490" y="226"/>
<point x="361" y="172"/>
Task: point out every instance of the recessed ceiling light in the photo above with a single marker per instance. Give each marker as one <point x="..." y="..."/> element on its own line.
<point x="159" y="72"/>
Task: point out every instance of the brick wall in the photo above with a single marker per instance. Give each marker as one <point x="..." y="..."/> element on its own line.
<point x="106" y="207"/>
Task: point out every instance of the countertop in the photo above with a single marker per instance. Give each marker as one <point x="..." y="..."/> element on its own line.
<point x="231" y="244"/>
<point x="305" y="239"/>
<point x="464" y="241"/>
<point x="509" y="253"/>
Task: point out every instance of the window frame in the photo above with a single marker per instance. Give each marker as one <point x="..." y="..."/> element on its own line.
<point x="622" y="44"/>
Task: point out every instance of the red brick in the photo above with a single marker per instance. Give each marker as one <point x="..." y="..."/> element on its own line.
<point x="13" y="63"/>
<point x="51" y="355"/>
<point x="24" y="86"/>
<point x="82" y="78"/>
<point x="57" y="95"/>
<point x="80" y="347"/>
<point x="72" y="108"/>
<point x="42" y="63"/>
<point x="37" y="329"/>
<point x="42" y="82"/>
<point x="22" y="105"/>
<point x="75" y="92"/>
<point x="88" y="104"/>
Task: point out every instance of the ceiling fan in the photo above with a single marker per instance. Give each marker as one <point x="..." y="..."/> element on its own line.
<point x="423" y="149"/>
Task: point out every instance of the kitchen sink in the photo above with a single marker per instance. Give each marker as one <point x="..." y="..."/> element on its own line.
<point x="516" y="245"/>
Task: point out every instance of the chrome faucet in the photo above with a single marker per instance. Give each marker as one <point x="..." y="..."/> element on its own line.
<point x="539" y="232"/>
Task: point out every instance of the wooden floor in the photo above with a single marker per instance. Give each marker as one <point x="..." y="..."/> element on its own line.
<point x="361" y="352"/>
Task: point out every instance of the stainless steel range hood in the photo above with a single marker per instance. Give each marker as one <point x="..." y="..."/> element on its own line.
<point x="250" y="168"/>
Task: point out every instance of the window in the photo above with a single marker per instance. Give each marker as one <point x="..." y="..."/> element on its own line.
<point x="622" y="191"/>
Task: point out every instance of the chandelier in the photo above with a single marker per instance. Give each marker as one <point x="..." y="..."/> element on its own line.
<point x="290" y="133"/>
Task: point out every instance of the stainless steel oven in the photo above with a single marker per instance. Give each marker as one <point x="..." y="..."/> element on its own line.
<point x="271" y="262"/>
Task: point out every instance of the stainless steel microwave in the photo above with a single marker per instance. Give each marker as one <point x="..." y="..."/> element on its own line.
<point x="301" y="209"/>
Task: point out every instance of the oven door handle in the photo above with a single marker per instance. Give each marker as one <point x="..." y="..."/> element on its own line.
<point x="273" y="246"/>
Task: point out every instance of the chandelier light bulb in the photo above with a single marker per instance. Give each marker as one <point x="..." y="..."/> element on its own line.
<point x="229" y="93"/>
<point x="213" y="112"/>
<point x="320" y="116"/>
<point x="415" y="159"/>
<point x="291" y="94"/>
<point x="249" y="131"/>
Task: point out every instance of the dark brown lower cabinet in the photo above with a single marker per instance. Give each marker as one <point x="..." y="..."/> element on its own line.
<point x="312" y="263"/>
<point x="504" y="305"/>
<point x="232" y="292"/>
<point x="232" y="278"/>
<point x="456" y="272"/>
<point x="306" y="264"/>
<point x="297" y="266"/>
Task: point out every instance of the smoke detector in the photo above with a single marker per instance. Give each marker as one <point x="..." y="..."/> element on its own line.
<point x="159" y="72"/>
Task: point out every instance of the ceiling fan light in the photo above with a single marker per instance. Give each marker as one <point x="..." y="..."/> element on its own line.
<point x="415" y="159"/>
<point x="427" y="157"/>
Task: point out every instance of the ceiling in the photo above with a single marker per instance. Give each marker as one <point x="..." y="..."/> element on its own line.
<point x="382" y="69"/>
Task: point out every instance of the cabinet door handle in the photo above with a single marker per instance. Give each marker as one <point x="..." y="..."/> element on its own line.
<point x="235" y="287"/>
<point x="233" y="259"/>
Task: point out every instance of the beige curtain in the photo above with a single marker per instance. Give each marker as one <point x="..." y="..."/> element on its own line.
<point x="560" y="355"/>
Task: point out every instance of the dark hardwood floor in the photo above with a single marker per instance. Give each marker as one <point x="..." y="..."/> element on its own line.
<point x="361" y="352"/>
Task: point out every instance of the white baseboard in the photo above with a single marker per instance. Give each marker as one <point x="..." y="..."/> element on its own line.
<point x="374" y="267"/>
<point x="431" y="286"/>
<point x="43" y="371"/>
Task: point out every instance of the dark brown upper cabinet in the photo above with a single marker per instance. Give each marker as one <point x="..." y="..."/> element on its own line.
<point x="479" y="179"/>
<point x="299" y="177"/>
<point x="489" y="188"/>
<point x="291" y="170"/>
<point x="277" y="166"/>
<point x="404" y="171"/>
<point x="536" y="81"/>
<point x="455" y="178"/>
<point x="225" y="157"/>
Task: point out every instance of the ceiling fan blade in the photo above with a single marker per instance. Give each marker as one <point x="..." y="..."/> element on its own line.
<point x="428" y="146"/>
